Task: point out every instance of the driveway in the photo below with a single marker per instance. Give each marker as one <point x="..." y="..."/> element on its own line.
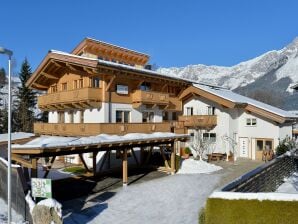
<point x="171" y="199"/>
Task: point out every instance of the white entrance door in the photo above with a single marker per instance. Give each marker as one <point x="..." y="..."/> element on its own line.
<point x="243" y="147"/>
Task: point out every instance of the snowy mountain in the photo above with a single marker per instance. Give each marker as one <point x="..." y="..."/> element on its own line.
<point x="273" y="71"/>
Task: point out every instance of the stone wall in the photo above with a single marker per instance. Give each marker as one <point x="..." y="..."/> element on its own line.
<point x="19" y="189"/>
<point x="268" y="177"/>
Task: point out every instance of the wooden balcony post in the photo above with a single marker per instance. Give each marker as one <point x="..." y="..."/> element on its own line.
<point x="124" y="167"/>
<point x="173" y="158"/>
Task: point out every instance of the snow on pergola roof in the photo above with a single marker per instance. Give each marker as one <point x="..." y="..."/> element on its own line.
<point x="15" y="136"/>
<point x="57" y="141"/>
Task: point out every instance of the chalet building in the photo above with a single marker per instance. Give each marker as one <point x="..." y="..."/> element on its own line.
<point x="232" y="119"/>
<point x="100" y="88"/>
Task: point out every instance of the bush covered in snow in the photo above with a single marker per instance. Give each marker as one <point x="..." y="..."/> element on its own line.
<point x="284" y="146"/>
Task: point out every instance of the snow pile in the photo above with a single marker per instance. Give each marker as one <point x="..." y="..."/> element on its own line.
<point x="55" y="141"/>
<point x="15" y="136"/>
<point x="254" y="196"/>
<point x="191" y="166"/>
<point x="290" y="185"/>
<point x="16" y="218"/>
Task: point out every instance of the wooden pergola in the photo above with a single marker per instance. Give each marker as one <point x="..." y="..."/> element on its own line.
<point x="28" y="157"/>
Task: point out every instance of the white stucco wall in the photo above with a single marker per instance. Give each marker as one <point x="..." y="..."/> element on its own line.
<point x="53" y="117"/>
<point x="94" y="115"/>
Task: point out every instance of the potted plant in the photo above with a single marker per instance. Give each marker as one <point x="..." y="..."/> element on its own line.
<point x="186" y="152"/>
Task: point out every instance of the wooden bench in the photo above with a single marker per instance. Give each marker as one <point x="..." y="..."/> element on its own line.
<point x="216" y="156"/>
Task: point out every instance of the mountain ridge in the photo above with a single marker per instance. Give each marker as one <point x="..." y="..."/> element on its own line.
<point x="275" y="68"/>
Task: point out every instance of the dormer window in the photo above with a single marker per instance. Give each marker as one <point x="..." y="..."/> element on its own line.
<point x="145" y="86"/>
<point x="64" y="86"/>
<point x="95" y="82"/>
<point x="54" y="89"/>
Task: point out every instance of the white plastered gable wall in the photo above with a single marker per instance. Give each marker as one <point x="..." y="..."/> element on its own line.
<point x="224" y="122"/>
<point x="232" y="123"/>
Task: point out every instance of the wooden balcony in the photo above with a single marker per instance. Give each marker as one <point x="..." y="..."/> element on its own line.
<point x="140" y="97"/>
<point x="78" y="98"/>
<point x="200" y="121"/>
<point x="78" y="129"/>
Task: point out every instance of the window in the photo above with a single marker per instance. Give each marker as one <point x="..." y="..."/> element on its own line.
<point x="122" y="116"/>
<point x="165" y="116"/>
<point x="211" y="137"/>
<point x="189" y="111"/>
<point x="95" y="82"/>
<point x="54" y="89"/>
<point x="122" y="89"/>
<point x="80" y="83"/>
<point x="210" y="110"/>
<point x="174" y="116"/>
<point x="251" y="121"/>
<point x="145" y="86"/>
<point x="61" y="117"/>
<point x="148" y="116"/>
<point x="172" y="90"/>
<point x="64" y="86"/>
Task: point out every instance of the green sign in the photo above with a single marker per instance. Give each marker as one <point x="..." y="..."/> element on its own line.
<point x="41" y="188"/>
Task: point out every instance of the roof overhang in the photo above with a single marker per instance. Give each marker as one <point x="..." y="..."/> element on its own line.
<point x="195" y="91"/>
<point x="66" y="62"/>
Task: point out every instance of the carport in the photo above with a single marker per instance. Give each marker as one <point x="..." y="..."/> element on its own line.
<point x="28" y="155"/>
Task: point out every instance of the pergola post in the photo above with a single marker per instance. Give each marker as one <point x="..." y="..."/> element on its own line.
<point x="124" y="167"/>
<point x="173" y="159"/>
<point x="34" y="168"/>
<point x="94" y="163"/>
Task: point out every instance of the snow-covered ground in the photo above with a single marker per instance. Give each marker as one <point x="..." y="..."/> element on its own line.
<point x="191" y="166"/>
<point x="290" y="185"/>
<point x="172" y="199"/>
<point x="3" y="214"/>
<point x="15" y="136"/>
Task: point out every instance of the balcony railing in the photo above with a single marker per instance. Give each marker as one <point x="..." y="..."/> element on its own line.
<point x="201" y="121"/>
<point x="149" y="97"/>
<point x="79" y="129"/>
<point x="81" y="97"/>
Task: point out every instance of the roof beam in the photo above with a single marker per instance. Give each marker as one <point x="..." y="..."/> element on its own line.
<point x="49" y="76"/>
<point x="39" y="86"/>
<point x="110" y="83"/>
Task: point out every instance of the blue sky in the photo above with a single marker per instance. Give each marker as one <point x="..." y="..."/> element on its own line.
<point x="174" y="33"/>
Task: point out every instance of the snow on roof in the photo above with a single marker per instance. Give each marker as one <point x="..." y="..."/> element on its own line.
<point x="237" y="98"/>
<point x="57" y="141"/>
<point x="254" y="196"/>
<point x="15" y="136"/>
<point x="113" y="45"/>
<point x="128" y="67"/>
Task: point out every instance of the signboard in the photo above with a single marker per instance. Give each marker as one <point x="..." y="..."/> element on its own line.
<point x="41" y="188"/>
<point x="121" y="89"/>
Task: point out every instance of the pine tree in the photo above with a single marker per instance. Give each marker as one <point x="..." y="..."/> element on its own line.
<point x="23" y="115"/>
<point x="2" y="77"/>
<point x="3" y="119"/>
